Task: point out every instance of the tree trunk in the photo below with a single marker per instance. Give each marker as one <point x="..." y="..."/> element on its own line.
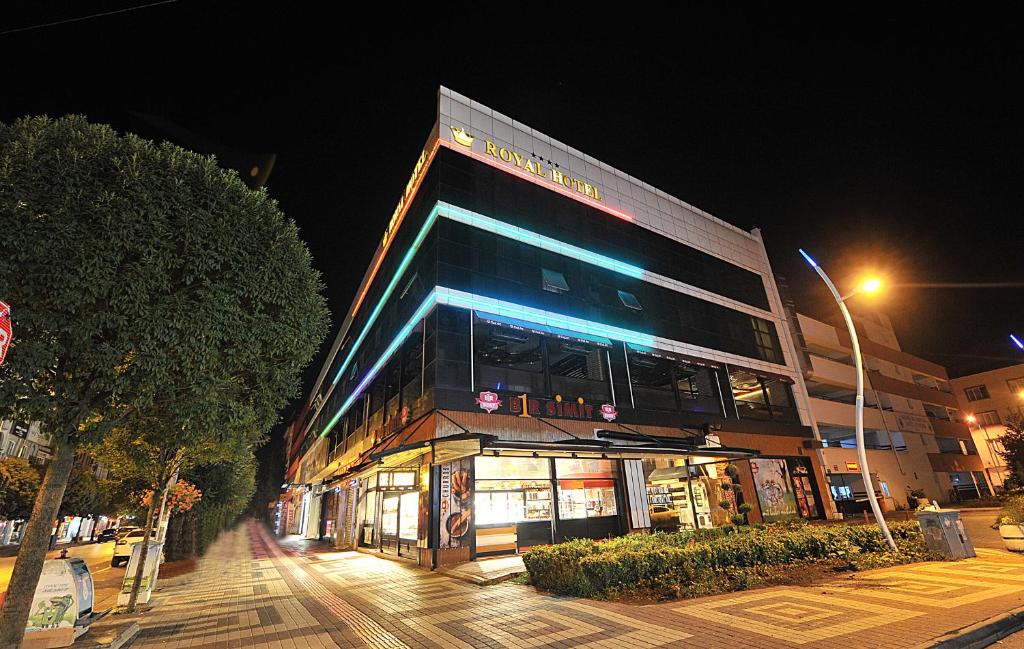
<point x="34" y="545"/>
<point x="140" y="568"/>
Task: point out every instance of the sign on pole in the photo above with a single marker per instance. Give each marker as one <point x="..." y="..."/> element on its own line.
<point x="5" y="329"/>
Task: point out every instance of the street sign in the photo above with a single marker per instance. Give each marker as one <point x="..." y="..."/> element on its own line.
<point x="5" y="329"/>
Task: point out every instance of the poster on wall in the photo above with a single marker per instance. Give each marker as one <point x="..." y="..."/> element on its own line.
<point x="456" y="503"/>
<point x="771" y="480"/>
<point x="800" y="472"/>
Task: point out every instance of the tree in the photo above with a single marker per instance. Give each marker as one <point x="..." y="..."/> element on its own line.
<point x="145" y="280"/>
<point x="1013" y="452"/>
<point x="19" y="484"/>
<point x="227" y="489"/>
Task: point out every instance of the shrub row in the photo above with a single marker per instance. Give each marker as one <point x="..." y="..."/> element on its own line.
<point x="707" y="561"/>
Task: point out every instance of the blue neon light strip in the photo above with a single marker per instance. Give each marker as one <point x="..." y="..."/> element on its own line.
<point x="1017" y="341"/>
<point x="492" y="225"/>
<point x="540" y="241"/>
<point x="538" y="316"/>
<point x="491" y="305"/>
<point x="810" y="261"/>
<point x="388" y="291"/>
<point x="389" y="351"/>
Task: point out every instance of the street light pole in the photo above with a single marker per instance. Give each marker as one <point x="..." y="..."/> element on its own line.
<point x="859" y="410"/>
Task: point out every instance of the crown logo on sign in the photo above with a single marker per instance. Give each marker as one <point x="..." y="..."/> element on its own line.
<point x="462" y="137"/>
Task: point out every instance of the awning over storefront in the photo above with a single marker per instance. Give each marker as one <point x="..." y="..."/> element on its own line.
<point x="681" y="358"/>
<point x="544" y="330"/>
<point x="609" y="444"/>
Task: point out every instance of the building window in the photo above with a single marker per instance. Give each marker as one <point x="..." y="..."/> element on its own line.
<point x="554" y="281"/>
<point x="629" y="301"/>
<point x="989" y="418"/>
<point x="762" y="397"/>
<point x="767" y="343"/>
<point x="508" y="359"/>
<point x="577" y="369"/>
<point x="660" y="383"/>
<point x="1016" y="386"/>
<point x="976" y="393"/>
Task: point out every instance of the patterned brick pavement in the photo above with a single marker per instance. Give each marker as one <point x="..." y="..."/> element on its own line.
<point x="252" y="592"/>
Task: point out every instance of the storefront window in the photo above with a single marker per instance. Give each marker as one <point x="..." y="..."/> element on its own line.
<point x="503" y="468"/>
<point x="586" y="488"/>
<point x="704" y="496"/>
<point x="512" y="489"/>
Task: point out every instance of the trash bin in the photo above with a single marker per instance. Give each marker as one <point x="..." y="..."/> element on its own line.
<point x="944" y="532"/>
<point x="62" y="605"/>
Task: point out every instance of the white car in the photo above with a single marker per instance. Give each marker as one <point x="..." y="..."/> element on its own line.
<point x="123" y="546"/>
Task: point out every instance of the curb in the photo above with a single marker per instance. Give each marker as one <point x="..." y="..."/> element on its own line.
<point x="479" y="581"/>
<point x="123" y="637"/>
<point x="983" y="633"/>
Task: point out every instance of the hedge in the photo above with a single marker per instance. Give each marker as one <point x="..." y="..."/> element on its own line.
<point x="686" y="564"/>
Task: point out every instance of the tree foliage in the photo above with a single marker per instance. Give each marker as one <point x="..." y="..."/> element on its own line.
<point x="152" y="291"/>
<point x="19" y="484"/>
<point x="1012" y="440"/>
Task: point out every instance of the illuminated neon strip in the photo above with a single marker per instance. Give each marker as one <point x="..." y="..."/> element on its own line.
<point x="533" y="178"/>
<point x="539" y="316"/>
<point x="469" y="301"/>
<point x="394" y="229"/>
<point x="389" y="351"/>
<point x="546" y="243"/>
<point x="492" y="225"/>
<point x="431" y="218"/>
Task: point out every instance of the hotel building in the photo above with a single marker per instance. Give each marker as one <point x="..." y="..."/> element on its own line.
<point x="544" y="347"/>
<point x="914" y="435"/>
<point x="989" y="400"/>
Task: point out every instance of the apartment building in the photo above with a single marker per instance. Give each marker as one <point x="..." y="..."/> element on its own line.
<point x="913" y="429"/>
<point x="989" y="400"/>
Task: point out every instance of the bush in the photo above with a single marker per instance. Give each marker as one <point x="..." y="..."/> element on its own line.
<point x="687" y="564"/>
<point x="1012" y="512"/>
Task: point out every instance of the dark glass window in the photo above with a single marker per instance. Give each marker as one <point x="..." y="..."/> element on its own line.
<point x="476" y="186"/>
<point x="554" y="281"/>
<point x="629" y="301"/>
<point x="577" y="370"/>
<point x="762" y="397"/>
<point x="668" y="384"/>
<point x="508" y="359"/>
<point x="412" y="366"/>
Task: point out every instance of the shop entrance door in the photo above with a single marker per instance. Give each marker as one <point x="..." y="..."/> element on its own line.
<point x="399" y="522"/>
<point x="389" y="522"/>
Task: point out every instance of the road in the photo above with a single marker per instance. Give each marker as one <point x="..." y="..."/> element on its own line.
<point x="107" y="580"/>
<point x="978" y="523"/>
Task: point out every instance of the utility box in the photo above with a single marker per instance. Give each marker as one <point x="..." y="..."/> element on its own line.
<point x="62" y="606"/>
<point x="944" y="532"/>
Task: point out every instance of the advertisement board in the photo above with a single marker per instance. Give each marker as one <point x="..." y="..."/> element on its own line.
<point x="149" y="574"/>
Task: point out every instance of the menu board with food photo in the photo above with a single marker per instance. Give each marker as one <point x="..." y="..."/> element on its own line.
<point x="456" y="503"/>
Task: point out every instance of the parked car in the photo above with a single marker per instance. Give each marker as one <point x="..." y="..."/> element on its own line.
<point x="108" y="534"/>
<point x="123" y="546"/>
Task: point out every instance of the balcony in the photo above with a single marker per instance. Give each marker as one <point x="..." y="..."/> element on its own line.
<point x="955" y="462"/>
<point x="946" y="428"/>
<point x="842" y="414"/>
<point x="824" y="370"/>
<point x="908" y="390"/>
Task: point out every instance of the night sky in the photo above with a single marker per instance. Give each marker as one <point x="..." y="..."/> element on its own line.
<point x="888" y="142"/>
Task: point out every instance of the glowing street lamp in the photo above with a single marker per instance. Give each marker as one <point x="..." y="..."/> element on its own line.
<point x="869" y="286"/>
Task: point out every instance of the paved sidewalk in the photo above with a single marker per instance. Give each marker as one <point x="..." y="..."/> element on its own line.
<point x="251" y="592"/>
